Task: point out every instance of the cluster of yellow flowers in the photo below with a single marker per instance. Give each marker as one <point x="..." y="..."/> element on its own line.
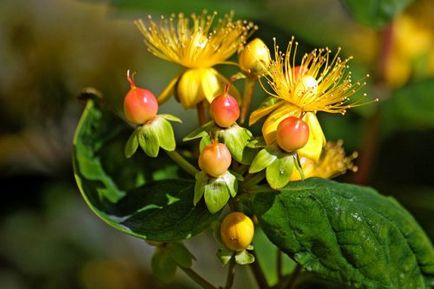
<point x="321" y="82"/>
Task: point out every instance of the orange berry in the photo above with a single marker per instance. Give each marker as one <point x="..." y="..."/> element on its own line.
<point x="292" y="134"/>
<point x="215" y="159"/>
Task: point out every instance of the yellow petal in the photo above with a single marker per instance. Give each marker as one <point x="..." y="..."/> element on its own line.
<point x="316" y="141"/>
<point x="270" y="125"/>
<point x="263" y="111"/>
<point x="198" y="84"/>
<point x="168" y="90"/>
<point x="308" y="167"/>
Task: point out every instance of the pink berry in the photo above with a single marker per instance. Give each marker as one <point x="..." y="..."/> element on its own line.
<point x="140" y="105"/>
<point x="292" y="134"/>
<point x="215" y="159"/>
<point x="225" y="110"/>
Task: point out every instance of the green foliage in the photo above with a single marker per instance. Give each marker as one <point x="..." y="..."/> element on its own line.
<point x="137" y="196"/>
<point x="375" y="13"/>
<point x="216" y="191"/>
<point x="236" y="139"/>
<point x="347" y="233"/>
<point x="410" y="107"/>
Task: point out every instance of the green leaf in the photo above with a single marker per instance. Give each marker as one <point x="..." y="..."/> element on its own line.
<point x="204" y="141"/>
<point x="139" y="196"/>
<point x="180" y="254"/>
<point x="263" y="159"/>
<point x="244" y="258"/>
<point x="162" y="264"/>
<point x="148" y="141"/>
<point x="410" y="107"/>
<point x="347" y="233"/>
<point x="236" y="138"/>
<point x="132" y="144"/>
<point x="375" y="13"/>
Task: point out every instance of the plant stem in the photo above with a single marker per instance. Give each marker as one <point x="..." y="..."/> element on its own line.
<point x="197" y="278"/>
<point x="252" y="180"/>
<point x="182" y="162"/>
<point x="231" y="274"/>
<point x="370" y="140"/>
<point x="292" y="281"/>
<point x="259" y="275"/>
<point x="201" y="115"/>
<point x="249" y="86"/>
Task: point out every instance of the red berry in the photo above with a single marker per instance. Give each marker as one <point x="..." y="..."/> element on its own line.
<point x="292" y="134"/>
<point x="215" y="159"/>
<point x="225" y="110"/>
<point x="140" y="105"/>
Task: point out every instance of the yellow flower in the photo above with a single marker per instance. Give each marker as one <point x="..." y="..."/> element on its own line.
<point x="197" y="44"/>
<point x="332" y="163"/>
<point x="320" y="83"/>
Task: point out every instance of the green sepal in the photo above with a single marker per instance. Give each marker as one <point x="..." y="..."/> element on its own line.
<point x="170" y="117"/>
<point x="257" y="142"/>
<point x="153" y="135"/>
<point x="244" y="258"/>
<point x="180" y="254"/>
<point x="199" y="187"/>
<point x="216" y="195"/>
<point x="163" y="265"/>
<point x="164" y="131"/>
<point x="200" y="132"/>
<point x="264" y="158"/>
<point x="224" y="255"/>
<point x="278" y="173"/>
<point x="216" y="191"/>
<point x="236" y="139"/>
<point x="132" y="144"/>
<point x="148" y="141"/>
<point x="204" y="141"/>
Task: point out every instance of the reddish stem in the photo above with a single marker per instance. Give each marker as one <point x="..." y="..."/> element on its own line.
<point x="201" y="114"/>
<point x="370" y="141"/>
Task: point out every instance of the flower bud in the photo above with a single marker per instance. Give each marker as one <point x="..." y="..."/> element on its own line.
<point x="215" y="159"/>
<point x="255" y="57"/>
<point x="236" y="231"/>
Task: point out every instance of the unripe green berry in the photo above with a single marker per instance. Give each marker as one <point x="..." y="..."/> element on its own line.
<point x="236" y="231"/>
<point x="225" y="110"/>
<point x="215" y="159"/>
<point x="292" y="134"/>
<point x="140" y="105"/>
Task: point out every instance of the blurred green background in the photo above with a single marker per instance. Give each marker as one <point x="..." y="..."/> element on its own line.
<point x="51" y="49"/>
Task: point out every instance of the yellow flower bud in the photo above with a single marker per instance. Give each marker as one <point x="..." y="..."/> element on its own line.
<point x="255" y="57"/>
<point x="236" y="231"/>
<point x="198" y="84"/>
